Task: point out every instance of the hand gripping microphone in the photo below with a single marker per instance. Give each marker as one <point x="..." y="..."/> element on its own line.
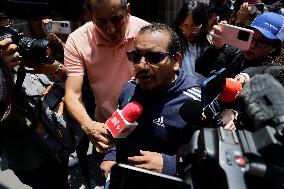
<point x="123" y="122"/>
<point x="231" y="90"/>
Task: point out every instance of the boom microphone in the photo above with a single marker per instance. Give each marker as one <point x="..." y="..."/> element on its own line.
<point x="264" y="98"/>
<point x="123" y="122"/>
<point x="191" y="112"/>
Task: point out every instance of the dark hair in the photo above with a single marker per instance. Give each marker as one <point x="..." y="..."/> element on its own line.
<point x="276" y="56"/>
<point x="199" y="13"/>
<point x="123" y="4"/>
<point x="174" y="42"/>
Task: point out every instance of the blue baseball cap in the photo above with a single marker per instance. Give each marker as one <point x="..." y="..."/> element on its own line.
<point x="270" y="25"/>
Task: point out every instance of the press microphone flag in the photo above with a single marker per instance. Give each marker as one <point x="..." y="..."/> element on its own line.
<point x="123" y="122"/>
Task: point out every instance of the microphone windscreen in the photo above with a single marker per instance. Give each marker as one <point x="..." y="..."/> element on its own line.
<point x="264" y="99"/>
<point x="231" y="90"/>
<point x="132" y="111"/>
<point x="191" y="112"/>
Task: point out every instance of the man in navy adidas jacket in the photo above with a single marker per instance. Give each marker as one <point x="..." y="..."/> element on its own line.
<point x="162" y="88"/>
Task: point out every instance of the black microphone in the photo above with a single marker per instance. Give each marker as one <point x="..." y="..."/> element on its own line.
<point x="191" y="112"/>
<point x="264" y="99"/>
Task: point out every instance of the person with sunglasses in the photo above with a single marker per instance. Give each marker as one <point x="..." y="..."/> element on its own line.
<point x="265" y="46"/>
<point x="191" y="25"/>
<point x="162" y="88"/>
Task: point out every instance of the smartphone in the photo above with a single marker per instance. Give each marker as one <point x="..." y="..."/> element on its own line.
<point x="124" y="176"/>
<point x="60" y="27"/>
<point x="236" y="36"/>
<point x="212" y="87"/>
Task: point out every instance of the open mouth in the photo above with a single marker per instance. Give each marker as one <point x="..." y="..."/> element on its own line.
<point x="144" y="78"/>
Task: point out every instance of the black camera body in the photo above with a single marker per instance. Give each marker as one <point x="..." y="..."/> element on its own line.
<point x="35" y="49"/>
<point x="238" y="159"/>
<point x="242" y="159"/>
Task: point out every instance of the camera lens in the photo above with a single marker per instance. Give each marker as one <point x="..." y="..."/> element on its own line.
<point x="243" y="35"/>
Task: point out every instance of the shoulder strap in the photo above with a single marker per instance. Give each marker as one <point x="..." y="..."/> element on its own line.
<point x="9" y="87"/>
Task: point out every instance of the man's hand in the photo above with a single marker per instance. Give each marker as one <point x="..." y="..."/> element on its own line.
<point x="152" y="161"/>
<point x="216" y="35"/>
<point x="243" y="15"/>
<point x="9" y="54"/>
<point x="228" y="118"/>
<point x="106" y="167"/>
<point x="99" y="136"/>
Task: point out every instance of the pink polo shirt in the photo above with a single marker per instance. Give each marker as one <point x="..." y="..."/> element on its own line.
<point x="107" y="66"/>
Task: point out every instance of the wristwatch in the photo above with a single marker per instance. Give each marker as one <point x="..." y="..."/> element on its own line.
<point x="59" y="68"/>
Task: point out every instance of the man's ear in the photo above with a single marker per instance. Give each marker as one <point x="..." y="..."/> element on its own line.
<point x="177" y="59"/>
<point x="128" y="8"/>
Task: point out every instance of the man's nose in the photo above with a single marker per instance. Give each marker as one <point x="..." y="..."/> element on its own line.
<point x="142" y="63"/>
<point x="109" y="28"/>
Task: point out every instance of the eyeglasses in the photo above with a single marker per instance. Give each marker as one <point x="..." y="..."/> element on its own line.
<point x="261" y="43"/>
<point x="192" y="29"/>
<point x="150" y="57"/>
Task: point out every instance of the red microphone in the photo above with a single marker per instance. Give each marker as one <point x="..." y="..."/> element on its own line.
<point x="123" y="122"/>
<point x="231" y="90"/>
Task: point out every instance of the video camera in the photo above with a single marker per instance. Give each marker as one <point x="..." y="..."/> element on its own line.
<point x="36" y="49"/>
<point x="241" y="159"/>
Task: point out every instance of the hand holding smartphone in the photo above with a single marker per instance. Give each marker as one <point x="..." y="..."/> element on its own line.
<point x="236" y="36"/>
<point x="59" y="27"/>
<point x="256" y="8"/>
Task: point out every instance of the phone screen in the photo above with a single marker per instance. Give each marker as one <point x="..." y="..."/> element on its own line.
<point x="212" y="87"/>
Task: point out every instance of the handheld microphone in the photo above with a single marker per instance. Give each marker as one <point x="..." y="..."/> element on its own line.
<point x="231" y="90"/>
<point x="123" y="122"/>
<point x="191" y="112"/>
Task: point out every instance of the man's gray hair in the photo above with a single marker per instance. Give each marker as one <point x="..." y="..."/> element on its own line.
<point x="174" y="42"/>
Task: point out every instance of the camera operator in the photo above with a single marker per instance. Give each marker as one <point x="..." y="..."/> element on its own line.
<point x="265" y="46"/>
<point x="23" y="132"/>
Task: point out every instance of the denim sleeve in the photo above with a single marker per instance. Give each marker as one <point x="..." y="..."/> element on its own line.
<point x="169" y="165"/>
<point x="110" y="155"/>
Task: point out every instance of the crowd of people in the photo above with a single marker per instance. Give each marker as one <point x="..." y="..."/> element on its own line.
<point x="49" y="110"/>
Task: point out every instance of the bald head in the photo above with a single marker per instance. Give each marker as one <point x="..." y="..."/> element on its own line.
<point x="94" y="4"/>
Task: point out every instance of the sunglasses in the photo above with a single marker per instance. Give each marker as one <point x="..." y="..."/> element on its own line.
<point x="150" y="57"/>
<point x="261" y="43"/>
